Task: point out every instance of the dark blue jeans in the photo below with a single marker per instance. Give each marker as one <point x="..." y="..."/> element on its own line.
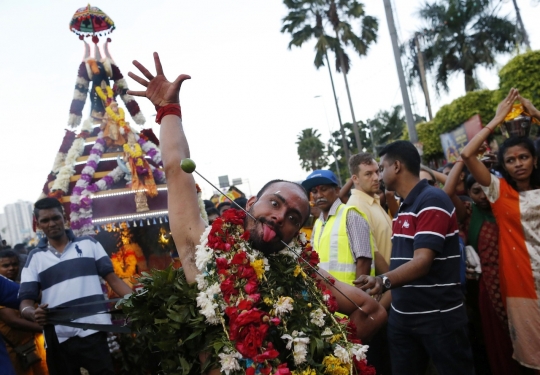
<point x="449" y="350"/>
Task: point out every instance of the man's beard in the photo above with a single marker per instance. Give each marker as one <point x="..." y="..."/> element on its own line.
<point x="256" y="238"/>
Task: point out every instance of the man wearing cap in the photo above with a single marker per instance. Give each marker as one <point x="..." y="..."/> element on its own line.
<point x="341" y="236"/>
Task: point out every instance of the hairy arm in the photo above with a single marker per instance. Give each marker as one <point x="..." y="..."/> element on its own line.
<point x="369" y="318"/>
<point x="363" y="266"/>
<point x="184" y="215"/>
<point x="117" y="285"/>
<point x="13" y="319"/>
<point x="450" y="189"/>
<point x="476" y="167"/>
<point x="345" y="190"/>
<point x="380" y="265"/>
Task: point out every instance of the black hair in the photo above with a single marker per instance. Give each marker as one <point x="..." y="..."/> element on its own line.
<point x="8" y="254"/>
<point x="272" y="182"/>
<point x="208" y="204"/>
<point x="223" y="204"/>
<point x="212" y="211"/>
<point x="240" y="201"/>
<point x="404" y="152"/>
<point x="469" y="182"/>
<point x="527" y="144"/>
<point x="19" y="247"/>
<point x="45" y="204"/>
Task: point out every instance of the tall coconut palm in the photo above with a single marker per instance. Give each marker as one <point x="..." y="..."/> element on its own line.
<point x="311" y="150"/>
<point x="462" y="35"/>
<point x="320" y="20"/>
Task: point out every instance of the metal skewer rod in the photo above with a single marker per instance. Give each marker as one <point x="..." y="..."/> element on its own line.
<point x="288" y="247"/>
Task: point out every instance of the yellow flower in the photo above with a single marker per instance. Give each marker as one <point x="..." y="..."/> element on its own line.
<point x="268" y="301"/>
<point x="299" y="271"/>
<point x="134" y="150"/>
<point x="335" y="338"/>
<point x="258" y="266"/>
<point x="333" y="366"/>
<point x="307" y="371"/>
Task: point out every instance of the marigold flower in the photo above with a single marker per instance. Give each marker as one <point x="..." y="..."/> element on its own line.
<point x="258" y="266"/>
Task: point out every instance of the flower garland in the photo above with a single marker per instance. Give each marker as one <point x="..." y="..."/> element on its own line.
<point x="150" y="149"/>
<point x="276" y="317"/>
<point x="81" y="200"/>
<point x="59" y="159"/>
<point x="79" y="96"/>
<point x="121" y="87"/>
<point x="68" y="169"/>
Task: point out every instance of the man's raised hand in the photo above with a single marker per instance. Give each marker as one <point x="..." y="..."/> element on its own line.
<point x="158" y="89"/>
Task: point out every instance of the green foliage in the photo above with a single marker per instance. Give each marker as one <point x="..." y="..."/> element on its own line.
<point x="311" y="150"/>
<point x="522" y="72"/>
<point x="333" y="25"/>
<point x="450" y="116"/>
<point x="167" y="324"/>
<point x="461" y="35"/>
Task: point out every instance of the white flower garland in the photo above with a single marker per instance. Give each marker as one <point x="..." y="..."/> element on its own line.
<point x="68" y="169"/>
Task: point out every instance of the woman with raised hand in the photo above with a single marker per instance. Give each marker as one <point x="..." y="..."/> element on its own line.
<point x="515" y="201"/>
<point x="481" y="235"/>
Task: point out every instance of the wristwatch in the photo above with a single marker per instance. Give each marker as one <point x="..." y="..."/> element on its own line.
<point x="387" y="285"/>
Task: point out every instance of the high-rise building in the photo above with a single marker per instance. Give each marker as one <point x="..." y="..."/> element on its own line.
<point x="3" y="228"/>
<point x="19" y="222"/>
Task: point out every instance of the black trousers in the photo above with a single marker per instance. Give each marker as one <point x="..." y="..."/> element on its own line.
<point x="449" y="350"/>
<point x="67" y="358"/>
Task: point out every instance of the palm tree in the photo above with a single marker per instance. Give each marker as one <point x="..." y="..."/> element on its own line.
<point x="309" y="19"/>
<point x="462" y="35"/>
<point x="311" y="150"/>
<point x="521" y="25"/>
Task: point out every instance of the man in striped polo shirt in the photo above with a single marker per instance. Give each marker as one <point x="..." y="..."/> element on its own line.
<point x="427" y="318"/>
<point x="65" y="269"/>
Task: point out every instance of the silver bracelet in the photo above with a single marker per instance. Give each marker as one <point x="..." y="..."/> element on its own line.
<point x="22" y="311"/>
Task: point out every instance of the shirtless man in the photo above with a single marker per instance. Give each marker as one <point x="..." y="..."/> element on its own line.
<point x="280" y="208"/>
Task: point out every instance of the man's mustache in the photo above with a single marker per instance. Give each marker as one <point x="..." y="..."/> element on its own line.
<point x="321" y="200"/>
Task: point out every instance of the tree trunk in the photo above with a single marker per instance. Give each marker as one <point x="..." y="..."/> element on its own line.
<point x="423" y="76"/>
<point x="341" y="129"/>
<point x="359" y="145"/>
<point x="470" y="83"/>
<point x="521" y="25"/>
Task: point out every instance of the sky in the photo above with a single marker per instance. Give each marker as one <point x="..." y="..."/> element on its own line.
<point x="249" y="96"/>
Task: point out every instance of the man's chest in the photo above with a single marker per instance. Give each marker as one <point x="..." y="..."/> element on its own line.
<point x="404" y="225"/>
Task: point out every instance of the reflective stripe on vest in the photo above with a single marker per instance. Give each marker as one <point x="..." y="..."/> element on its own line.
<point x="334" y="248"/>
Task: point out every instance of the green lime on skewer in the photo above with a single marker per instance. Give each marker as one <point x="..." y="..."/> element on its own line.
<point x="187" y="165"/>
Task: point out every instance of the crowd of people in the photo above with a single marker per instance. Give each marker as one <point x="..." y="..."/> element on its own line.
<point x="464" y="264"/>
<point x="424" y="260"/>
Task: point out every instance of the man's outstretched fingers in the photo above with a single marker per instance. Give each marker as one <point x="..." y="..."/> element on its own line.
<point x="143" y="70"/>
<point x="135" y="77"/>
<point x="181" y="78"/>
<point x="157" y="61"/>
<point x="137" y="93"/>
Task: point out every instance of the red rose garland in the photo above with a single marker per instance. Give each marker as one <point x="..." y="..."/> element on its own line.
<point x="231" y="293"/>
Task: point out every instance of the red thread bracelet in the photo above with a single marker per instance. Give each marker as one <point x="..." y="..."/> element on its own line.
<point x="488" y="128"/>
<point x="169" y="109"/>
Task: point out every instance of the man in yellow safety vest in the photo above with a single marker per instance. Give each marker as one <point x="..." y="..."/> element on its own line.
<point x="341" y="236"/>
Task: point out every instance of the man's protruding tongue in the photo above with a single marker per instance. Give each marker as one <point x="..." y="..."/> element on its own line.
<point x="268" y="233"/>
